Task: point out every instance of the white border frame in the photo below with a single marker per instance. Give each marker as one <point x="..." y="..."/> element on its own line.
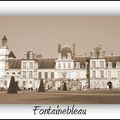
<point x="82" y="8"/>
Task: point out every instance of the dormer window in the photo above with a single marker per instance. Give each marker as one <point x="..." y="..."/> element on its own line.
<point x="82" y="66"/>
<point x="77" y="65"/>
<point x="93" y="54"/>
<point x="34" y="56"/>
<point x="69" y="55"/>
<point x="118" y="64"/>
<point x="101" y="53"/>
<point x="59" y="56"/>
<point x="109" y="64"/>
<point x="31" y="55"/>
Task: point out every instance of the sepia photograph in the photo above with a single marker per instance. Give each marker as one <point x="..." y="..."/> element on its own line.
<point x="59" y="60"/>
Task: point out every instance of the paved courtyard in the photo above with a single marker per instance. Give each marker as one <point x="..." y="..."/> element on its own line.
<point x="61" y="98"/>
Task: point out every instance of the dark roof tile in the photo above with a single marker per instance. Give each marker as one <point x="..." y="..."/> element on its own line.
<point x="14" y="63"/>
<point x="46" y="63"/>
<point x="11" y="55"/>
<point x="82" y="60"/>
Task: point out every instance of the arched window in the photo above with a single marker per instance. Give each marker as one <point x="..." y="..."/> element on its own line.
<point x="13" y="73"/>
<point x="7" y="72"/>
<point x="19" y="73"/>
<point x="109" y="85"/>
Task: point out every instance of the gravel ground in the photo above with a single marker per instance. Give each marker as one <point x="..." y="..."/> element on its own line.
<point x="87" y="97"/>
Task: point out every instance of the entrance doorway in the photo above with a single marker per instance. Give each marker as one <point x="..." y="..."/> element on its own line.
<point x="109" y="85"/>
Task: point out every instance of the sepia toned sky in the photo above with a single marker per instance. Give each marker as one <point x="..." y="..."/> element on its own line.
<point x="42" y="34"/>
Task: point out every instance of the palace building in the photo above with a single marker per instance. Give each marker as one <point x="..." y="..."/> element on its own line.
<point x="94" y="71"/>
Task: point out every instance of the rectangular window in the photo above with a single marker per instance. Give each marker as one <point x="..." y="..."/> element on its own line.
<point x="102" y="74"/>
<point x="31" y="65"/>
<point x="46" y="75"/>
<point x="69" y="65"/>
<point x="24" y="65"/>
<point x="40" y="75"/>
<point x="94" y="74"/>
<point x="102" y="64"/>
<point x="119" y="75"/>
<point x="30" y="74"/>
<point x="23" y="83"/>
<point x="93" y="64"/>
<point x="24" y="74"/>
<point x="30" y="82"/>
<point x="5" y="83"/>
<point x="52" y="75"/>
<point x="64" y="65"/>
<point x="59" y="65"/>
<point x="109" y="74"/>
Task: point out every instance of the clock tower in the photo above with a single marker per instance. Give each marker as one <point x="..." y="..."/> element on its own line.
<point x="4" y="52"/>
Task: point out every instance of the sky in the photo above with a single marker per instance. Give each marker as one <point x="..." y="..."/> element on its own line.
<point x="42" y="34"/>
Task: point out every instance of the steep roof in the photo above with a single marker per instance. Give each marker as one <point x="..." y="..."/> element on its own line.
<point x="82" y="60"/>
<point x="46" y="63"/>
<point x="112" y="59"/>
<point x="11" y="55"/>
<point x="14" y="63"/>
<point x="65" y="50"/>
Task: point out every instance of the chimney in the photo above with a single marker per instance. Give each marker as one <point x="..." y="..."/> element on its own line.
<point x="74" y="50"/>
<point x="59" y="48"/>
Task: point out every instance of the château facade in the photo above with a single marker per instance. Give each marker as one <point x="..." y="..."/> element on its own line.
<point x="94" y="71"/>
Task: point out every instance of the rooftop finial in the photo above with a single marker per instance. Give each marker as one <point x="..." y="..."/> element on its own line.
<point x="4" y="41"/>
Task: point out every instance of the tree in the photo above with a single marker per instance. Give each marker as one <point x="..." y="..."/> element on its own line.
<point x="18" y="88"/>
<point x="41" y="87"/>
<point x="12" y="87"/>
